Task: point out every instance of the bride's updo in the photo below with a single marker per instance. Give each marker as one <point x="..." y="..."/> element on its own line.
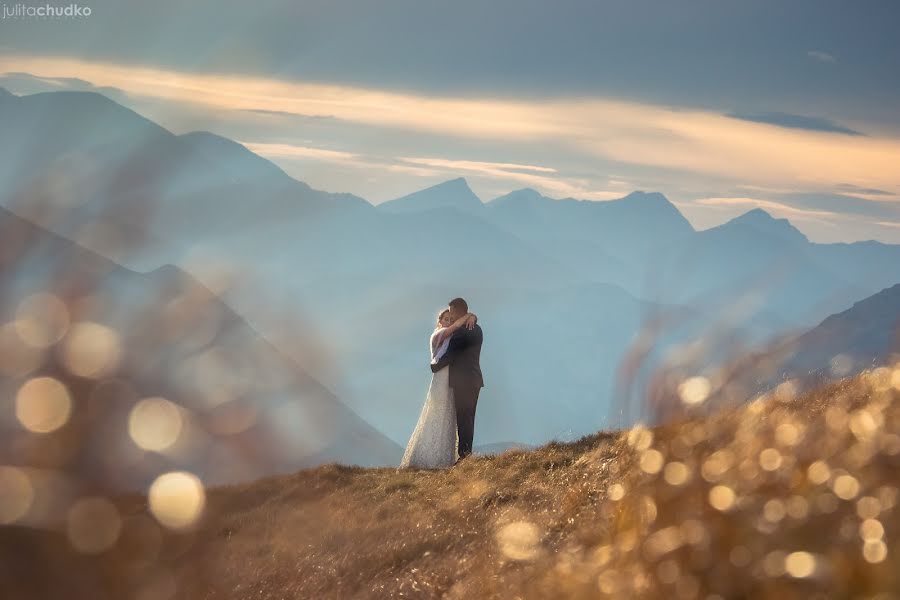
<point x="440" y="316"/>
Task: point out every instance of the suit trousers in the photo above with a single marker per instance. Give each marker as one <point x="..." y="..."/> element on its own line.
<point x="465" y="399"/>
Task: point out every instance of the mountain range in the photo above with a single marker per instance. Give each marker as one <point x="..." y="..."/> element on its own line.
<point x="865" y="336"/>
<point x="247" y="409"/>
<point x="564" y="288"/>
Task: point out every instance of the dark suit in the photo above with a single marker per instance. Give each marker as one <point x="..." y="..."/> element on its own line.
<point x="463" y="355"/>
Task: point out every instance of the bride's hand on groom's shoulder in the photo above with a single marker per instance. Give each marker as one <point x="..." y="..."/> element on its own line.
<point x="471" y="320"/>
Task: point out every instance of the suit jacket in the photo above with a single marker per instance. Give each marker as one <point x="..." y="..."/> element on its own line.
<point x="463" y="355"/>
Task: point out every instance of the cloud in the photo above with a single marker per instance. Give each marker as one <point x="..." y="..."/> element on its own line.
<point x="280" y="152"/>
<point x="824" y="218"/>
<point x="877" y="208"/>
<point x="796" y="122"/>
<point x="776" y="208"/>
<point x="298" y="152"/>
<point x="821" y="56"/>
<point x="577" y="134"/>
<point x="855" y="189"/>
<point x="529" y="175"/>
<point x="471" y="165"/>
<point x="557" y="185"/>
<point x="281" y="113"/>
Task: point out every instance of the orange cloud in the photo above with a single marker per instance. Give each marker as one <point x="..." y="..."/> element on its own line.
<point x="772" y="206"/>
<point x="696" y="141"/>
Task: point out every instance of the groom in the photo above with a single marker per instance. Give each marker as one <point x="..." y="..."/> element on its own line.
<point x="463" y="354"/>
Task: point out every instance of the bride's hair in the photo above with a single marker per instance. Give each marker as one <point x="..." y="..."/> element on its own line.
<point x="440" y="316"/>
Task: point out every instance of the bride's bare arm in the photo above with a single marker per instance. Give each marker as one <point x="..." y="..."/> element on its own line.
<point x="467" y="320"/>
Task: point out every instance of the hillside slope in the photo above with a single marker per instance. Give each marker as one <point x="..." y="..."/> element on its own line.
<point x="783" y="497"/>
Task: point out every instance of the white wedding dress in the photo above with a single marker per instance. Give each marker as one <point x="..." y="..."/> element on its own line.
<point x="434" y="440"/>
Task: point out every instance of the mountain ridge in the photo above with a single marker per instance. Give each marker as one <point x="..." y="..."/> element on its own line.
<point x="452" y="193"/>
<point x="761" y="220"/>
<point x="353" y="268"/>
<point x="312" y="423"/>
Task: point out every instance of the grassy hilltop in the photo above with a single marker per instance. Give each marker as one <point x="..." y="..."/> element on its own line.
<point x="784" y="497"/>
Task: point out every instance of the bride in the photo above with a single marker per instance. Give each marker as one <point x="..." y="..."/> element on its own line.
<point x="433" y="443"/>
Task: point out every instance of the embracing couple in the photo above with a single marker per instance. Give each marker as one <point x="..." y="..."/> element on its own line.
<point x="447" y="423"/>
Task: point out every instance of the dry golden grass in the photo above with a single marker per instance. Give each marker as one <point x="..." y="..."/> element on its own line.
<point x="784" y="497"/>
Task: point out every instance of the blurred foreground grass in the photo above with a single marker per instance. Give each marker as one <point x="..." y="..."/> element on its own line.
<point x="787" y="496"/>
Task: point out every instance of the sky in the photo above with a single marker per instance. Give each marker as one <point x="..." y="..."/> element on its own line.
<point x="723" y="106"/>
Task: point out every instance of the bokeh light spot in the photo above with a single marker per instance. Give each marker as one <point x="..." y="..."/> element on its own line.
<point x="722" y="497"/>
<point x="875" y="552"/>
<point x="676" y="473"/>
<point x="93" y="525"/>
<point x="871" y="530"/>
<point x="616" y="492"/>
<point x="651" y="461"/>
<point x="43" y="404"/>
<point x="519" y="540"/>
<point x="818" y="472"/>
<point x="800" y="564"/>
<point x="16" y="494"/>
<point x="177" y="499"/>
<point x="770" y="459"/>
<point x="154" y="424"/>
<point x="846" y="487"/>
<point x="694" y="390"/>
<point x="91" y="350"/>
<point x="868" y="507"/>
<point x="41" y="320"/>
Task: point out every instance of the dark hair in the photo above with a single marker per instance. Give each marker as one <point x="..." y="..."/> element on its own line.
<point x="459" y="304"/>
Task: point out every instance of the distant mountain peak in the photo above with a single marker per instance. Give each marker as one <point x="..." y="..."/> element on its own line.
<point x="526" y="193"/>
<point x="524" y="196"/>
<point x="648" y="200"/>
<point x="760" y="220"/>
<point x="642" y="195"/>
<point x="757" y="215"/>
<point x="453" y="193"/>
<point x="459" y="184"/>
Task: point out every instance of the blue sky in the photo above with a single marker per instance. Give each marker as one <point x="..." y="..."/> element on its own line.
<point x="722" y="106"/>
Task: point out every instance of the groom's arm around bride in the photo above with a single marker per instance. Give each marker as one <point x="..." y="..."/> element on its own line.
<point x="460" y="341"/>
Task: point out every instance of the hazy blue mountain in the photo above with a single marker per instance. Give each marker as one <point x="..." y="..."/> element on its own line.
<point x="549" y="356"/>
<point x="563" y="286"/>
<point x="115" y="164"/>
<point x="636" y="223"/>
<point x="602" y="241"/>
<point x="865" y="335"/>
<point x="607" y="241"/>
<point x="759" y="221"/>
<point x="455" y="193"/>
<point x="871" y="265"/>
<point x="182" y="342"/>
<point x="643" y="243"/>
<point x="758" y="260"/>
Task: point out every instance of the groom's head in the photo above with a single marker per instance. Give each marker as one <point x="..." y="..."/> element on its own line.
<point x="458" y="308"/>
